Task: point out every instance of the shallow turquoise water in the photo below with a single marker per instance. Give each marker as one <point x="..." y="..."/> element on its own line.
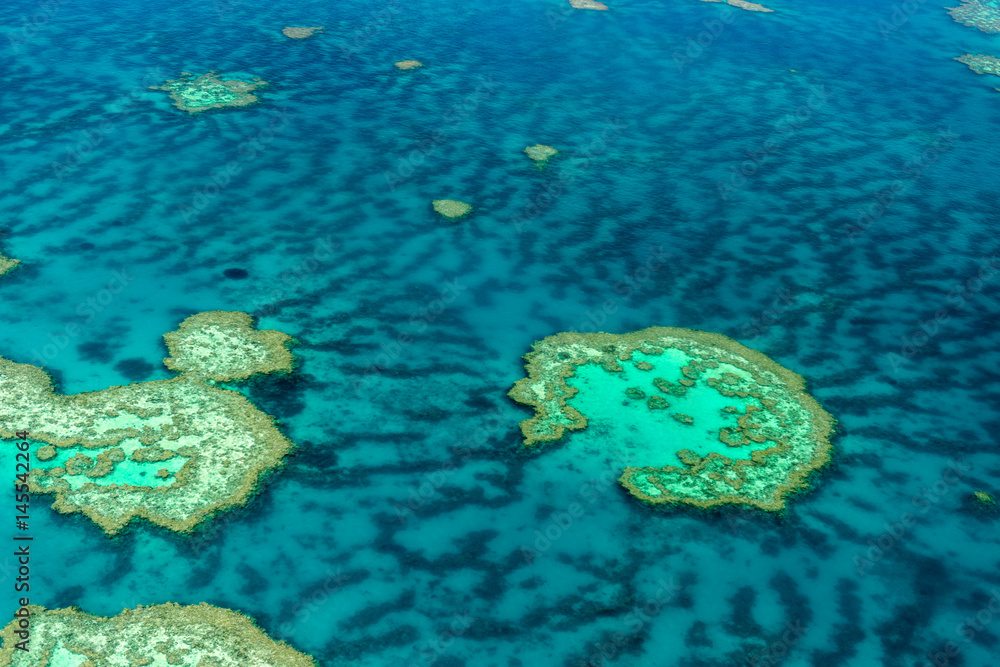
<point x="125" y="472"/>
<point x="838" y="217"/>
<point x="644" y="436"/>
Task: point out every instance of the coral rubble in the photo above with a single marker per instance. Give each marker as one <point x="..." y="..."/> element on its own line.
<point x="781" y="432"/>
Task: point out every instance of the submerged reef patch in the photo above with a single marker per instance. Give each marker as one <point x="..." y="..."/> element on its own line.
<point x="451" y="208"/>
<point x="226" y="347"/>
<point x="105" y="450"/>
<point x="743" y="4"/>
<point x="978" y="14"/>
<point x="725" y="395"/>
<point x="200" y="93"/>
<point x="984" y="498"/>
<point x="540" y="153"/>
<point x="195" y="635"/>
<point x="588" y="4"/>
<point x="982" y="503"/>
<point x="293" y="32"/>
<point x="408" y="64"/>
<point x="981" y="64"/>
<point x="6" y="264"/>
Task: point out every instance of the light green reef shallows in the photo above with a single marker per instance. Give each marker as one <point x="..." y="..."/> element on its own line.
<point x="225" y="347"/>
<point x="741" y="427"/>
<point x="171" y="451"/>
<point x="540" y="153"/>
<point x="167" y="634"/>
<point x="6" y="264"/>
<point x="200" y="93"/>
<point x="451" y="208"/>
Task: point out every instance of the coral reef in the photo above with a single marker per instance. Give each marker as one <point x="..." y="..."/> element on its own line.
<point x="982" y="503"/>
<point x="79" y="464"/>
<point x="226" y="347"/>
<point x="6" y="264"/>
<point x="450" y="208"/>
<point x="657" y="403"/>
<point x="635" y="393"/>
<point x="200" y="93"/>
<point x="293" y="32"/>
<point x="981" y="64"/>
<point x="213" y="443"/>
<point x="588" y="4"/>
<point x="782" y="433"/>
<point x="167" y="634"/>
<point x="540" y="153"/>
<point x="978" y="14"/>
<point x="743" y="4"/>
<point x="984" y="498"/>
<point x="408" y="64"/>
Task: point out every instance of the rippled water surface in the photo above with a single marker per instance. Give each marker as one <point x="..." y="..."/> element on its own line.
<point x="818" y="183"/>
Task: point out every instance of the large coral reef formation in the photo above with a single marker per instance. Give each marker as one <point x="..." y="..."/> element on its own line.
<point x="225" y="347"/>
<point x="171" y="451"/>
<point x="986" y="17"/>
<point x="168" y="634"/>
<point x="779" y="437"/>
<point x="981" y="64"/>
<point x="195" y="94"/>
<point x="978" y="14"/>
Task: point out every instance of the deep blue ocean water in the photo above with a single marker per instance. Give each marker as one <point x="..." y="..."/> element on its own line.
<point x="818" y="183"/>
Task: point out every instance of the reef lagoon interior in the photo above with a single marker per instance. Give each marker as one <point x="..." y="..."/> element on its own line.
<point x="817" y="183"/>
